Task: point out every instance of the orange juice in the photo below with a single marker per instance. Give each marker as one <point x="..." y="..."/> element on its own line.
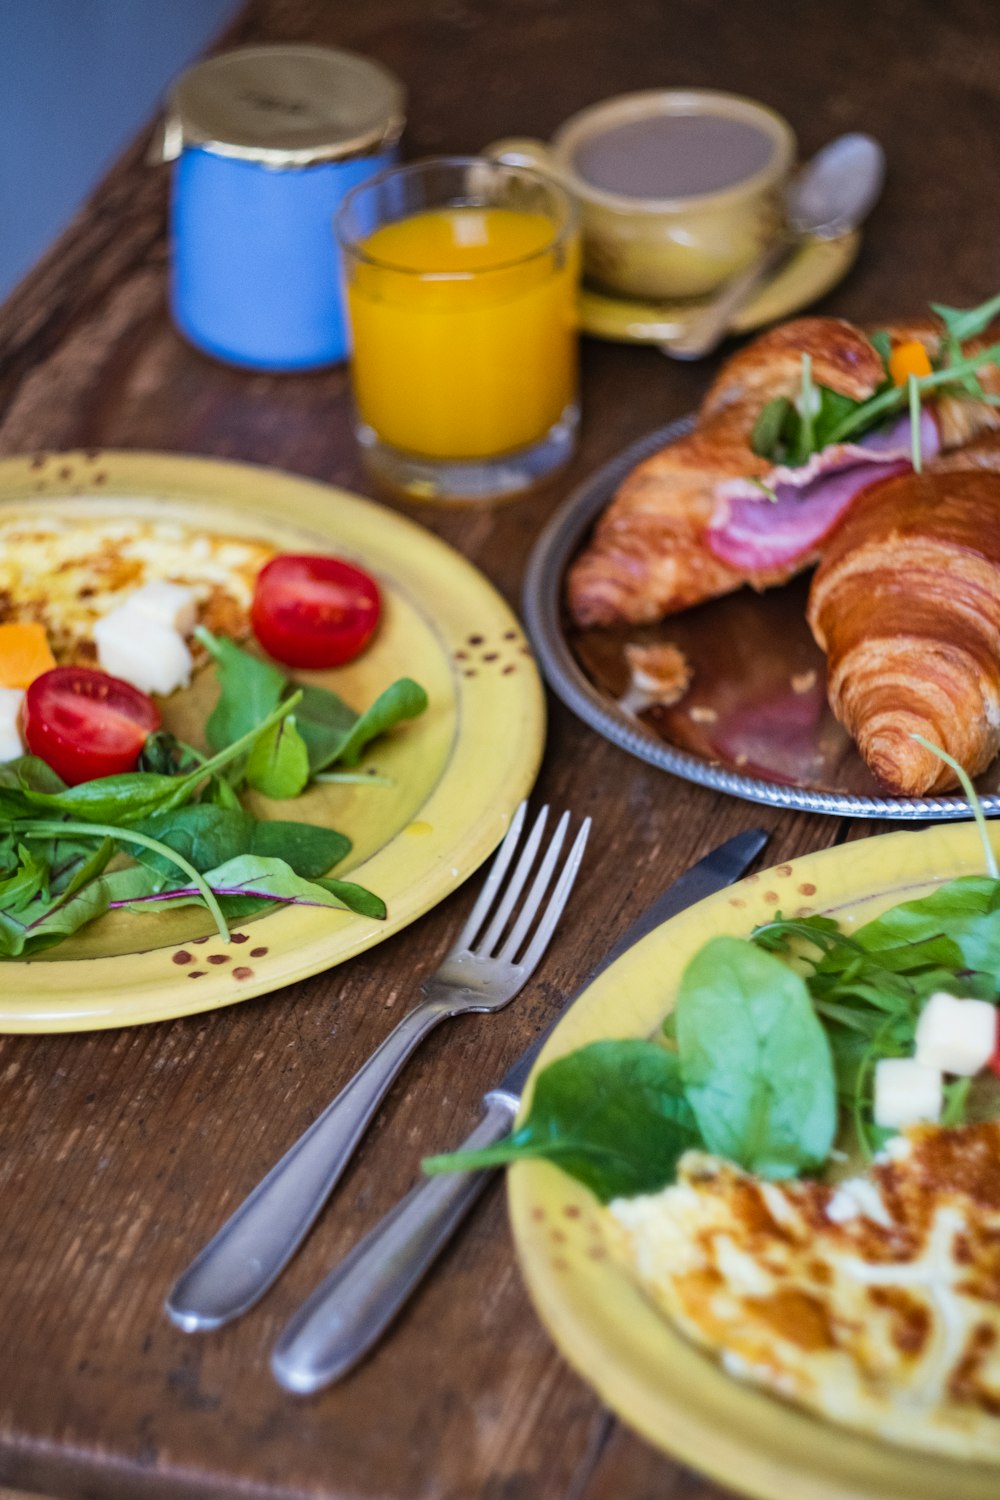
<point x="463" y="327"/>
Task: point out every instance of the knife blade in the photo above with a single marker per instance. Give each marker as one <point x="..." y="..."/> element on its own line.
<point x="350" y="1310"/>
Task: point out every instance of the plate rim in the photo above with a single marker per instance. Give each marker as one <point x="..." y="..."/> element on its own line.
<point x="829" y="1461"/>
<point x="541" y="604"/>
<point x="245" y="490"/>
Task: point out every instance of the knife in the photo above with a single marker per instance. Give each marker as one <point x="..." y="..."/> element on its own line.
<point x="351" y="1309"/>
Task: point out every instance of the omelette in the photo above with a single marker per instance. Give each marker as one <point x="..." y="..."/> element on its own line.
<point x="66" y="572"/>
<point x="874" y="1302"/>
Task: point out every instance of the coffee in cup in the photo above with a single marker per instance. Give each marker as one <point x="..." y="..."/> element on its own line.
<point x="679" y="188"/>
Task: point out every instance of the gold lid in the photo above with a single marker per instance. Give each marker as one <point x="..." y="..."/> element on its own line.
<point x="285" y="106"/>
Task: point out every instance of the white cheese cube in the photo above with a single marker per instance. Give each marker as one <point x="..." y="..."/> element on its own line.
<point x="957" y="1036"/>
<point x="11" y="745"/>
<point x="906" y="1091"/>
<point x="170" y="603"/>
<point x="142" y="651"/>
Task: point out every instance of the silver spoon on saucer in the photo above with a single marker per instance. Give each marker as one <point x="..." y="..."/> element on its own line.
<point x="831" y="195"/>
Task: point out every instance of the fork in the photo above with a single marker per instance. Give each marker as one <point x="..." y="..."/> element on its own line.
<point x="495" y="954"/>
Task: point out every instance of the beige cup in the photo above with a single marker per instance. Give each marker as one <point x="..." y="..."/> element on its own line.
<point x="666" y="247"/>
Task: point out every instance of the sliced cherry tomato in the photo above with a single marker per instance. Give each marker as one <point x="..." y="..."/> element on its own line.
<point x="86" y="724"/>
<point x="314" y="611"/>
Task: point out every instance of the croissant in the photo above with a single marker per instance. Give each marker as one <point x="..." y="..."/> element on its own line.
<point x="652" y="552"/>
<point x="906" y="604"/>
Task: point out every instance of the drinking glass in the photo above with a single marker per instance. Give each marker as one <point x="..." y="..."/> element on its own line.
<point x="461" y="277"/>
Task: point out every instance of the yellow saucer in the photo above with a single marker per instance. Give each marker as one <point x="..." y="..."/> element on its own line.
<point x="805" y="277"/>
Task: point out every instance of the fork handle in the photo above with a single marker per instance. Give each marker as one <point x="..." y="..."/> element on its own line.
<point x="351" y="1309"/>
<point x="253" y="1247"/>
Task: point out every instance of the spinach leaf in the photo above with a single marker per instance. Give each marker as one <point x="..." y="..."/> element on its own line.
<point x="612" y="1115"/>
<point x="959" y="922"/>
<point x="28" y="773"/>
<point x="278" y="764"/>
<point x="209" y="836"/>
<point x="755" y="1060"/>
<point x="310" y="850"/>
<point x="324" y="721"/>
<point x="403" y="699"/>
<point x="249" y="690"/>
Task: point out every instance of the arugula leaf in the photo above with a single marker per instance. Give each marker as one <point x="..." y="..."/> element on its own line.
<point x="278" y="764"/>
<point x="967" y="324"/>
<point x="755" y="1060"/>
<point x="250" y="689"/>
<point x="613" y="1115"/>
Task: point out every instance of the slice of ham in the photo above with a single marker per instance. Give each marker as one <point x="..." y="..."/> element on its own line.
<point x="752" y="532"/>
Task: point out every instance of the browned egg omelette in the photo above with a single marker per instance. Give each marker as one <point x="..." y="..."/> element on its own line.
<point x="875" y="1302"/>
<point x="65" y="573"/>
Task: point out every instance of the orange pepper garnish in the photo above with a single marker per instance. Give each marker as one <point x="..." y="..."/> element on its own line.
<point x="909" y="359"/>
<point x="24" y="654"/>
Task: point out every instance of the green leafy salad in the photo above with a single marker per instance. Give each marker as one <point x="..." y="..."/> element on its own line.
<point x="789" y="432"/>
<point x="174" y="831"/>
<point x="771" y="1055"/>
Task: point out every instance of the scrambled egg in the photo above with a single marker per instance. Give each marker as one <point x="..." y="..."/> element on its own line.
<point x="875" y="1302"/>
<point x="66" y="573"/>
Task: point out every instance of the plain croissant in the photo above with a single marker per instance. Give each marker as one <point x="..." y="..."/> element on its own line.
<point x="906" y="604"/>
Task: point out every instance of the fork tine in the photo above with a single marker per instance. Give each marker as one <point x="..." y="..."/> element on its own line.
<point x="498" y="870"/>
<point x="533" y="900"/>
<point x="558" y="900"/>
<point x="514" y="887"/>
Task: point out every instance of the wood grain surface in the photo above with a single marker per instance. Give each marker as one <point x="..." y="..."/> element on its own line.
<point x="121" y="1152"/>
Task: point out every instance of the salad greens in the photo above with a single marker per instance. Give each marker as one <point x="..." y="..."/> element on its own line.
<point x="178" y="818"/>
<point x="789" y="432"/>
<point x="771" y="1046"/>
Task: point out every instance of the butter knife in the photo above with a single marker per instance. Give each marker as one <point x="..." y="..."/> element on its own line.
<point x="350" y="1310"/>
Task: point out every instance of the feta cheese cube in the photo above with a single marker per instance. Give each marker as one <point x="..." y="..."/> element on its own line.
<point x="142" y="651"/>
<point x="957" y="1036"/>
<point x="11" y="745"/>
<point x="906" y="1091"/>
<point x="170" y="603"/>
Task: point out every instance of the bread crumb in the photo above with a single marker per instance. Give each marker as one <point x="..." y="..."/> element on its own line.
<point x="661" y="673"/>
<point x="804" y="682"/>
<point x="702" y="715"/>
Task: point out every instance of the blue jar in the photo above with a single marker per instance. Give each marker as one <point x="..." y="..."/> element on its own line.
<point x="266" y="142"/>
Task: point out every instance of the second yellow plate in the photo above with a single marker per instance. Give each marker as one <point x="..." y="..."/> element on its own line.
<point x="659" y="1383"/>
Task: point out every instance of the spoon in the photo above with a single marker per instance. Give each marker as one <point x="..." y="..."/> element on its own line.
<point x="830" y="196"/>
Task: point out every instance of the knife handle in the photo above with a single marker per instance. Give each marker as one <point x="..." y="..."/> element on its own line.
<point x="351" y="1309"/>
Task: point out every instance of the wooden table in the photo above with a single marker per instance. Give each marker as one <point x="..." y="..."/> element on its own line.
<point x="121" y="1151"/>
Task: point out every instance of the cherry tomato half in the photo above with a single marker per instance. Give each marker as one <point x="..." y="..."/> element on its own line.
<point x="86" y="724"/>
<point x="314" y="611"/>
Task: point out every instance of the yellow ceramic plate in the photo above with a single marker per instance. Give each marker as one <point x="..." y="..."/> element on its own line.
<point x="668" y="1390"/>
<point x="457" y="772"/>
<point x="808" y="275"/>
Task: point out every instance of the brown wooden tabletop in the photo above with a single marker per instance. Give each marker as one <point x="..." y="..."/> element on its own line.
<point x="122" y="1151"/>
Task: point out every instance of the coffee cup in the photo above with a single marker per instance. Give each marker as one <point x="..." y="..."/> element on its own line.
<point x="678" y="188"/>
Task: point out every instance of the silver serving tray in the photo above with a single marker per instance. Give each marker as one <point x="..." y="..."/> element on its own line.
<point x="757" y="732"/>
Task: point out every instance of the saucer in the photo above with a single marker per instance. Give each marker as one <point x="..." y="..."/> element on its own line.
<point x="809" y="273"/>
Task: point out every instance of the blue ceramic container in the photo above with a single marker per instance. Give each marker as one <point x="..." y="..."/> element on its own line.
<point x="266" y="142"/>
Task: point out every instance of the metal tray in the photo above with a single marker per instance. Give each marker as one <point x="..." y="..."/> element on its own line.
<point x="761" y="727"/>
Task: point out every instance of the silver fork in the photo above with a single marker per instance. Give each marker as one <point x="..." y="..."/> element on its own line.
<point x="485" y="969"/>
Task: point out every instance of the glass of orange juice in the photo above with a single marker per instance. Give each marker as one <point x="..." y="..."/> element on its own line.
<point x="461" y="288"/>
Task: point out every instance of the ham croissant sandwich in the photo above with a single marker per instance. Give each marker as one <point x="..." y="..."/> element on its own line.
<point x="733" y="502"/>
<point x="805" y="450"/>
